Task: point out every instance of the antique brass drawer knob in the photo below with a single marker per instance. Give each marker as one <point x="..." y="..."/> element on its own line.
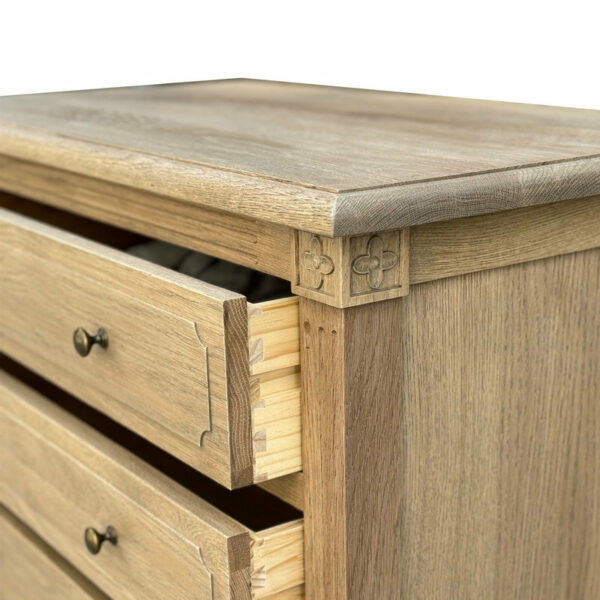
<point x="94" y="539"/>
<point x="83" y="341"/>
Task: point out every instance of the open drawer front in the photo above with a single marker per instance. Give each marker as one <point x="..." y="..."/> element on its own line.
<point x="192" y="367"/>
<point x="60" y="476"/>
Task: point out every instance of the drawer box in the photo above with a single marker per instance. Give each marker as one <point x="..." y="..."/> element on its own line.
<point x="60" y="476"/>
<point x="192" y="367"/>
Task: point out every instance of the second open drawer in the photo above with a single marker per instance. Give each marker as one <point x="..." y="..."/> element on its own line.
<point x="60" y="476"/>
<point x="192" y="367"/>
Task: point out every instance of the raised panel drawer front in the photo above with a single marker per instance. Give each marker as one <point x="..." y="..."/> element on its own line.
<point x="60" y="476"/>
<point x="192" y="367"/>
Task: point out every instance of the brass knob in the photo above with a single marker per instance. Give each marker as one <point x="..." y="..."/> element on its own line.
<point x="94" y="540"/>
<point x="83" y="341"/>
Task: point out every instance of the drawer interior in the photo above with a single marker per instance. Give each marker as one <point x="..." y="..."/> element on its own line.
<point x="252" y="506"/>
<point x="274" y="527"/>
<point x="270" y="396"/>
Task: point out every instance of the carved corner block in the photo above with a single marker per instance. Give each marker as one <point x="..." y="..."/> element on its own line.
<point x="378" y="266"/>
<point x="318" y="267"/>
<point x="351" y="270"/>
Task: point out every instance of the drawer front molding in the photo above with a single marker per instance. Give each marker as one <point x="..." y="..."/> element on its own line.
<point x="207" y="426"/>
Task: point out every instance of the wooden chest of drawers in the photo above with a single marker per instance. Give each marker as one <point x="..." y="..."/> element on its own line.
<point x="415" y="416"/>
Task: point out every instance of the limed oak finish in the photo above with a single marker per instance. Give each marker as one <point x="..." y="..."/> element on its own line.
<point x="326" y="160"/>
<point x="191" y="366"/>
<point x="53" y="578"/>
<point x="427" y="394"/>
<point x="61" y="476"/>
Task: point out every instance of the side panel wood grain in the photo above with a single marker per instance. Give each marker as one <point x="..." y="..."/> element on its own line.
<point x="451" y="439"/>
<point x="277" y="559"/>
<point x="499" y="435"/>
<point x="451" y="248"/>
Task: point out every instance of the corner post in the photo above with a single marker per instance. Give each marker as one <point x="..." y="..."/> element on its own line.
<point x="351" y="410"/>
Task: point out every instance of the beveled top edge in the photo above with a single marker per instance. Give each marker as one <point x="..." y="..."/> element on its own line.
<point x="316" y="200"/>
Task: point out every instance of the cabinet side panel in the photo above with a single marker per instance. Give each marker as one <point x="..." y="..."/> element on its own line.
<point x="500" y="433"/>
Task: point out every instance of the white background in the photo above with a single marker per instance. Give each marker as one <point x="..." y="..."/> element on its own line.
<point x="539" y="52"/>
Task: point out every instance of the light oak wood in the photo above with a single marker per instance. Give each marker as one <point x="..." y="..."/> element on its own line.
<point x="296" y="593"/>
<point x="289" y="488"/>
<point x="442" y="249"/>
<point x="351" y="271"/>
<point x="60" y="476"/>
<point x="479" y="478"/>
<point x="330" y="161"/>
<point x="462" y="246"/>
<point x="449" y="438"/>
<point x="351" y="449"/>
<point x="31" y="570"/>
<point x="275" y="388"/>
<point x="256" y="244"/>
<point x="277" y="554"/>
<point x="499" y="440"/>
<point x="177" y="368"/>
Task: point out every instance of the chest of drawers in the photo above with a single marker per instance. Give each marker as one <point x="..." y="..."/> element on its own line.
<point x="414" y="414"/>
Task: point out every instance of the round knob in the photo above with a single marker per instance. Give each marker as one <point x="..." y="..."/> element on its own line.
<point x="94" y="540"/>
<point x="83" y="341"/>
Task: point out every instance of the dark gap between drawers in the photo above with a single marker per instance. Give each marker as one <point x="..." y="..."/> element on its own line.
<point x="252" y="506"/>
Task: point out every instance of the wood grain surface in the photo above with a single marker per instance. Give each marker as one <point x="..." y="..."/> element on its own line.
<point x="275" y="388"/>
<point x="499" y="434"/>
<point x="177" y="368"/>
<point x="328" y="160"/>
<point x="451" y="438"/>
<point x="277" y="559"/>
<point x="59" y="476"/>
<point x="255" y="244"/>
<point x="437" y="250"/>
<point x="31" y="570"/>
<point x="289" y="488"/>
<point x="472" y="244"/>
<point x="351" y="449"/>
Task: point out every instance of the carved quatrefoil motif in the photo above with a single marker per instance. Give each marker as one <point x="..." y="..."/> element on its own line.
<point x="375" y="262"/>
<point x="316" y="264"/>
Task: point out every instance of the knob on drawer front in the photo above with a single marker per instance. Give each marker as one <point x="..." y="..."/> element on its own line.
<point x="83" y="341"/>
<point x="94" y="539"/>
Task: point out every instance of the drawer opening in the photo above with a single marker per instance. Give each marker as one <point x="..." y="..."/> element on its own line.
<point x="224" y="352"/>
<point x="252" y="506"/>
<point x="75" y="457"/>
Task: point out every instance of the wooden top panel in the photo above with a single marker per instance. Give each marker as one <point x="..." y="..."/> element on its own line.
<point x="330" y="160"/>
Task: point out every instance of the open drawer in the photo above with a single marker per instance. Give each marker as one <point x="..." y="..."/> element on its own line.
<point x="192" y="367"/>
<point x="60" y="476"/>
